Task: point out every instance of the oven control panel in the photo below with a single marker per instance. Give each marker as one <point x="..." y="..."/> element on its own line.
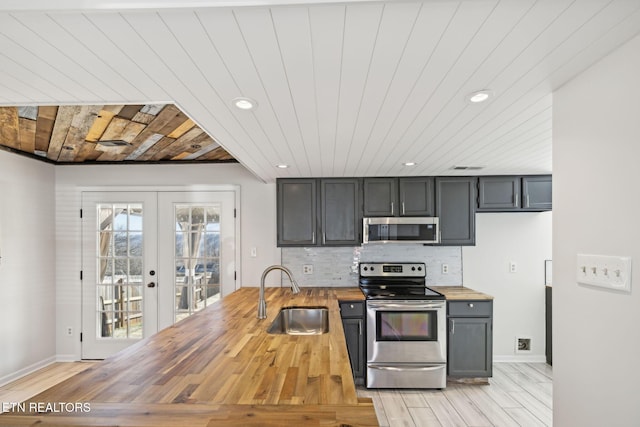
<point x="386" y="269"/>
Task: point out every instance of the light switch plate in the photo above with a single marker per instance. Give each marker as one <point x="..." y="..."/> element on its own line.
<point x="604" y="271"/>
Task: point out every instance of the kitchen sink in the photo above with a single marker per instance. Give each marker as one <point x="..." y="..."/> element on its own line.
<point x="301" y="321"/>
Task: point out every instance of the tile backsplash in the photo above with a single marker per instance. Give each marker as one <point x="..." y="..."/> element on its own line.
<point x="338" y="266"/>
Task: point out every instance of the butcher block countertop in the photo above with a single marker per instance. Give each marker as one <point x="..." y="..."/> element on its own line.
<point x="220" y="367"/>
<point x="453" y="293"/>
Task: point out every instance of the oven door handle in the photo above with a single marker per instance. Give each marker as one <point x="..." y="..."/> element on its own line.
<point x="405" y="304"/>
<point x="406" y="367"/>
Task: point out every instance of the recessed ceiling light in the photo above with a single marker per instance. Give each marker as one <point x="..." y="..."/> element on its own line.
<point x="479" y="96"/>
<point x="244" y="103"/>
<point x="282" y="166"/>
<point x="409" y="164"/>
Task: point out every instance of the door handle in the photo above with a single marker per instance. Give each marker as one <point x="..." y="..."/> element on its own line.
<point x="151" y="285"/>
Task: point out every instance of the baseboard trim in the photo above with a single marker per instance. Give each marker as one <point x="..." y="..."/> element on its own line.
<point x="520" y="358"/>
<point x="27" y="370"/>
<point x="67" y="358"/>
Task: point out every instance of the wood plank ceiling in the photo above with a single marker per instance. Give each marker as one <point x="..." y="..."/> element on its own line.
<point x="107" y="133"/>
<point x="344" y="88"/>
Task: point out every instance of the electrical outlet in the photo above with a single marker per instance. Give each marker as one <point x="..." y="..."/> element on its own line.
<point x="445" y="268"/>
<point x="513" y="267"/>
<point x="307" y="269"/>
<point x="69" y="330"/>
<point x="254" y="252"/>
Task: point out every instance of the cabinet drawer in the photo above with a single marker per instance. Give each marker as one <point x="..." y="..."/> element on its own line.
<point x="352" y="308"/>
<point x="470" y="308"/>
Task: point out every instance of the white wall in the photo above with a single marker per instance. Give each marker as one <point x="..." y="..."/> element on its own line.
<point x="27" y="267"/>
<point x="596" y="155"/>
<point x="518" y="306"/>
<point x="257" y="224"/>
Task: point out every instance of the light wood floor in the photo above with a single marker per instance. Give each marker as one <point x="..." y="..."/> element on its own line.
<point x="520" y="394"/>
<point x="39" y="381"/>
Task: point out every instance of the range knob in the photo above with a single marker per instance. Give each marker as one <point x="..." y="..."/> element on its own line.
<point x="413" y="269"/>
<point x="372" y="268"/>
<point x="366" y="268"/>
<point x="419" y="268"/>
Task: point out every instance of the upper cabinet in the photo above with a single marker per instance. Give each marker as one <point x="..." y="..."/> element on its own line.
<point x="456" y="208"/>
<point x="380" y="197"/>
<point x="536" y="193"/>
<point x="416" y="196"/>
<point x="399" y="196"/>
<point x="297" y="212"/>
<point x="340" y="211"/>
<point x="335" y="201"/>
<point x="499" y="193"/>
<point x="514" y="193"/>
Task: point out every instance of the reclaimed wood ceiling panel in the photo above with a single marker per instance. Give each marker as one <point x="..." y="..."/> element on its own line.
<point x="107" y="133"/>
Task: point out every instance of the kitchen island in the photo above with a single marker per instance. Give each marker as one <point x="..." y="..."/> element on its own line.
<point x="220" y="367"/>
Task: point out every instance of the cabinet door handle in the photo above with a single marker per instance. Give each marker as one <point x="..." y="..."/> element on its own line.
<point x="324" y="238"/>
<point x="391" y="208"/>
<point x="402" y="208"/>
<point x="453" y="326"/>
<point x="313" y="237"/>
<point x="528" y="205"/>
<point x="360" y="328"/>
<point x="517" y="199"/>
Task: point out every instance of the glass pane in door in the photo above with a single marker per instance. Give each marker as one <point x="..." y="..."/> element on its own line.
<point x="119" y="271"/>
<point x="196" y="257"/>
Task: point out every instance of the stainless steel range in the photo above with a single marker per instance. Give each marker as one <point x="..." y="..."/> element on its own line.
<point x="406" y="327"/>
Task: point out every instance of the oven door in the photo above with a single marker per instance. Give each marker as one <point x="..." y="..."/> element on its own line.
<point x="405" y="331"/>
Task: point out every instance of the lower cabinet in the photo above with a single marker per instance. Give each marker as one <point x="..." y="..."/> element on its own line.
<point x="353" y="323"/>
<point x="470" y="338"/>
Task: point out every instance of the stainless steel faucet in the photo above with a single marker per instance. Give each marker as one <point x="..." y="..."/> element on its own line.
<point x="262" y="304"/>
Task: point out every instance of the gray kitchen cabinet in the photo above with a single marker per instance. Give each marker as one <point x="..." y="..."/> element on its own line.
<point x="514" y="193"/>
<point x="340" y="211"/>
<point x="536" y="193"/>
<point x="470" y="338"/>
<point x="398" y="196"/>
<point x="336" y="202"/>
<point x="416" y="196"/>
<point x="353" y="323"/>
<point x="456" y="208"/>
<point x="499" y="193"/>
<point x="380" y="197"/>
<point x="297" y="212"/>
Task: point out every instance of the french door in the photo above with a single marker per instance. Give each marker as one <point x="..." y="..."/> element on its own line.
<point x="151" y="259"/>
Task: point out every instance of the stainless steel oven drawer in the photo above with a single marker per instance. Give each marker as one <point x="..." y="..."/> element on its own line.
<point x="352" y="309"/>
<point x="406" y="375"/>
<point x="470" y="308"/>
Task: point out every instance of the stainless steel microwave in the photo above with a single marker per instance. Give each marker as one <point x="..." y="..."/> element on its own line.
<point x="423" y="230"/>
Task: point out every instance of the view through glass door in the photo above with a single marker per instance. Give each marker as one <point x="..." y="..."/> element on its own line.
<point x="200" y="249"/>
<point x="151" y="259"/>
